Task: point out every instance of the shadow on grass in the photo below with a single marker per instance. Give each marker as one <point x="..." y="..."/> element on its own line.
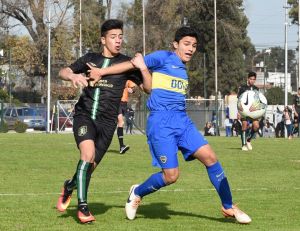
<point x="95" y="208"/>
<point x="150" y="211"/>
<point x="113" y="152"/>
<point x="161" y="211"/>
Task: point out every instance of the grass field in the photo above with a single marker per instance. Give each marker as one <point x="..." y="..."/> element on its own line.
<point x="265" y="183"/>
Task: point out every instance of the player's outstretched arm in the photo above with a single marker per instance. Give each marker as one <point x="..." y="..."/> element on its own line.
<point x="138" y="62"/>
<point x="96" y="73"/>
<point x="78" y="80"/>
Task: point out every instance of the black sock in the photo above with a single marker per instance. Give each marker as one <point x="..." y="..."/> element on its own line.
<point x="251" y="135"/>
<point x="120" y="136"/>
<point x="89" y="175"/>
<point x="72" y="184"/>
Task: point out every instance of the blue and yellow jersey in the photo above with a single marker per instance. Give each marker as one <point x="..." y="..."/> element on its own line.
<point x="169" y="81"/>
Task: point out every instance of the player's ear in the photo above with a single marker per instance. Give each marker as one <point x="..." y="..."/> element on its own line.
<point x="175" y="44"/>
<point x="102" y="40"/>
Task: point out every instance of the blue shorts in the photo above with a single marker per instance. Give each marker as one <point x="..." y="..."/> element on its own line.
<point x="168" y="132"/>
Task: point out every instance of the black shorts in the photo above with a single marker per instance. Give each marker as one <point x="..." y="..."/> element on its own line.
<point x="248" y="119"/>
<point x="123" y="108"/>
<point x="101" y="132"/>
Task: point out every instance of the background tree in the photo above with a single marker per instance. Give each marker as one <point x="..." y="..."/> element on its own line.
<point x="30" y="53"/>
<point x="33" y="16"/>
<point x="275" y="96"/>
<point x="235" y="50"/>
<point x="274" y="59"/>
<point x="92" y="16"/>
<point x="293" y="13"/>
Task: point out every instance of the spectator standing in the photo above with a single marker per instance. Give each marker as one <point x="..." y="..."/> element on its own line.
<point x="268" y="129"/>
<point x="288" y="121"/>
<point x="129" y="120"/>
<point x="237" y="126"/>
<point x="296" y="107"/>
<point x="228" y="126"/>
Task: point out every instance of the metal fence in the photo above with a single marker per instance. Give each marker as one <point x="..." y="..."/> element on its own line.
<point x="200" y="111"/>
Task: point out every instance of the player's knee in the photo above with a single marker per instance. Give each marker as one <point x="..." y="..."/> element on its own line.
<point x="255" y="127"/>
<point x="171" y="178"/>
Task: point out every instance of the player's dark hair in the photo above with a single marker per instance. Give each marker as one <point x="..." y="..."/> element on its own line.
<point x="111" y="24"/>
<point x="185" y="31"/>
<point x="251" y="74"/>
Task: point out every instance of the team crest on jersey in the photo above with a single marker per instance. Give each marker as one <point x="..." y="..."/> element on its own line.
<point x="82" y="130"/>
<point x="163" y="159"/>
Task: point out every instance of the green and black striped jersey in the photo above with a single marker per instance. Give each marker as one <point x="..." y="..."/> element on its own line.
<point x="246" y="87"/>
<point x="103" y="99"/>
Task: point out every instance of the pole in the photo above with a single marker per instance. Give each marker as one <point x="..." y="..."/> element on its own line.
<point x="286" y="61"/>
<point x="298" y="82"/>
<point x="265" y="69"/>
<point x="80" y="31"/>
<point x="216" y="69"/>
<point x="144" y="29"/>
<point x="204" y="76"/>
<point x="9" y="76"/>
<point x="49" y="70"/>
<point x="285" y="56"/>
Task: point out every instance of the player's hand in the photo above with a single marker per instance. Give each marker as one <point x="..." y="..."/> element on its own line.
<point x="138" y="61"/>
<point x="79" y="80"/>
<point x="94" y="74"/>
<point x="130" y="90"/>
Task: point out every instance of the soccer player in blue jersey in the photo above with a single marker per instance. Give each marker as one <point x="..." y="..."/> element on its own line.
<point x="169" y="128"/>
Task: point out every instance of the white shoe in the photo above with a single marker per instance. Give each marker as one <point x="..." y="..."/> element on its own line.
<point x="244" y="148"/>
<point x="236" y="213"/>
<point x="132" y="203"/>
<point x="249" y="145"/>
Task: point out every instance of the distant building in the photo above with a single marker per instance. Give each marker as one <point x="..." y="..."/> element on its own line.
<point x="277" y="79"/>
<point x="267" y="80"/>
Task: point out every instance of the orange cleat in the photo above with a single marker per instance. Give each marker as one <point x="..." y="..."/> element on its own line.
<point x="64" y="198"/>
<point x="84" y="214"/>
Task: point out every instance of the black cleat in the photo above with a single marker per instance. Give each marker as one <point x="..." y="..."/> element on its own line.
<point x="124" y="149"/>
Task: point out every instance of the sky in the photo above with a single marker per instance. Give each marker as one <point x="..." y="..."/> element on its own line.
<point x="267" y="23"/>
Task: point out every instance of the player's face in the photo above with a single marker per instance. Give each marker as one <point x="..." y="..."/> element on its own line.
<point x="112" y="42"/>
<point x="251" y="81"/>
<point x="185" y="48"/>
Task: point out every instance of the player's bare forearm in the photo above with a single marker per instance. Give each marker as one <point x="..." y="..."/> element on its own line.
<point x="97" y="73"/>
<point x="78" y="80"/>
<point x="138" y="62"/>
<point x="147" y="81"/>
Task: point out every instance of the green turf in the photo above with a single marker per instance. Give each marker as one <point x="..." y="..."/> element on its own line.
<point x="265" y="183"/>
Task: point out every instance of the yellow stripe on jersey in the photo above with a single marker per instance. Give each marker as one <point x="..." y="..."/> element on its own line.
<point x="169" y="83"/>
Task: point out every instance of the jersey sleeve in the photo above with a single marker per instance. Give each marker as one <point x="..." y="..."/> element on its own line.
<point x="240" y="91"/>
<point x="79" y="66"/>
<point x="155" y="59"/>
<point x="136" y="77"/>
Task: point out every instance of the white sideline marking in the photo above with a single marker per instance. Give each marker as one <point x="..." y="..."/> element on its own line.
<point x="162" y="190"/>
